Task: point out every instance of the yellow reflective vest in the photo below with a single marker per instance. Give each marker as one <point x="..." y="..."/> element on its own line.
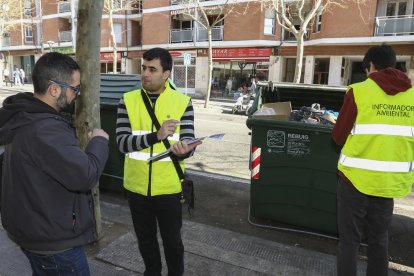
<point x="378" y="154"/>
<point x="160" y="176"/>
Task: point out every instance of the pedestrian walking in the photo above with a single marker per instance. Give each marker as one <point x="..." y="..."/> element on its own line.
<point x="229" y="86"/>
<point x="376" y="163"/>
<point x="22" y="76"/>
<point x="154" y="188"/>
<point x="17" y="77"/>
<point x="253" y="86"/>
<point x="46" y="202"/>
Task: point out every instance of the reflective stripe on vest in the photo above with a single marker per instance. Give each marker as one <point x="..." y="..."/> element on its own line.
<point x="143" y="156"/>
<point x="383" y="129"/>
<point x="375" y="165"/>
<point x="175" y="137"/>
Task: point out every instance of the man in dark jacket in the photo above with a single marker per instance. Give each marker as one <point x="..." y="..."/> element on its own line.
<point x="376" y="163"/>
<point x="46" y="203"/>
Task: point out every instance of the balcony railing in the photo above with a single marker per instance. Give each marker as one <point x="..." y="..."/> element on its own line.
<point x="216" y="34"/>
<point x="6" y="41"/>
<point x="65" y="36"/>
<point x="186" y="35"/>
<point x="181" y="35"/>
<point x="394" y="25"/>
<point x="64" y="6"/>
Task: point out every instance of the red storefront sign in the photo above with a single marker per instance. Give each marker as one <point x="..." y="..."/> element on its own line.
<point x="175" y="54"/>
<point x="242" y="53"/>
<point x="180" y="53"/>
<point x="110" y="56"/>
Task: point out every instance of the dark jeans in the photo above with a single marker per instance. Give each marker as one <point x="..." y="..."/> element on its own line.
<point x="70" y="262"/>
<point x="358" y="214"/>
<point x="166" y="210"/>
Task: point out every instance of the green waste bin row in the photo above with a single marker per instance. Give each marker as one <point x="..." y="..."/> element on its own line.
<point x="113" y="86"/>
<point x="295" y="182"/>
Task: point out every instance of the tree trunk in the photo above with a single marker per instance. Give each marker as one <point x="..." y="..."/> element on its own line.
<point x="115" y="50"/>
<point x="210" y="67"/>
<point x="88" y="57"/>
<point x="2" y="61"/>
<point x="299" y="57"/>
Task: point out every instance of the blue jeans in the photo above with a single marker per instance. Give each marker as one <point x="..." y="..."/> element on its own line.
<point x="70" y="262"/>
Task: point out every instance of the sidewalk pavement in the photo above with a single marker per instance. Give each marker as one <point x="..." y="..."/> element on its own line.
<point x="28" y="87"/>
<point x="209" y="250"/>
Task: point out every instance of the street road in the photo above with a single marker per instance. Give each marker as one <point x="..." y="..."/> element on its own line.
<point x="229" y="156"/>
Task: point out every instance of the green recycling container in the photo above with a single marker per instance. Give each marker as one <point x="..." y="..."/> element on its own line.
<point x="113" y="86"/>
<point x="295" y="182"/>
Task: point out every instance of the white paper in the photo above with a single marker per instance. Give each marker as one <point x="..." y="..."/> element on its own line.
<point x="218" y="136"/>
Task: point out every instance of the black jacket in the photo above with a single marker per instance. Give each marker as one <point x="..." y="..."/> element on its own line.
<point x="46" y="202"/>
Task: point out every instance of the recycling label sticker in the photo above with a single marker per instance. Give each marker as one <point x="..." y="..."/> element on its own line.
<point x="276" y="141"/>
<point x="298" y="144"/>
<point x="282" y="142"/>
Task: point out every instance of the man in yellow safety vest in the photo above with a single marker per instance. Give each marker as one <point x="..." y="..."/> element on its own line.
<point x="154" y="188"/>
<point x="375" y="127"/>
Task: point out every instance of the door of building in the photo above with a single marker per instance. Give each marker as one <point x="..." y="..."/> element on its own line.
<point x="179" y="75"/>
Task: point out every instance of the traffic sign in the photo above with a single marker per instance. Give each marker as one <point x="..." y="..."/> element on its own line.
<point x="187" y="59"/>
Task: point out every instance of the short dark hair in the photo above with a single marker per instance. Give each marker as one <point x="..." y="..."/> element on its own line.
<point x="382" y="56"/>
<point x="53" y="66"/>
<point x="163" y="55"/>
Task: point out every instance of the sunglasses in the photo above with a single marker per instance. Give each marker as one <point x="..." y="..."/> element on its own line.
<point x="75" y="89"/>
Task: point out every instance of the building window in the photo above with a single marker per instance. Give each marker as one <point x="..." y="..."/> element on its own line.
<point x="186" y="24"/>
<point x="27" y="4"/>
<point x="321" y="71"/>
<point x="318" y="22"/>
<point x="289" y="70"/>
<point x="118" y="32"/>
<point x="6" y="39"/>
<point x="27" y="12"/>
<point x="119" y="4"/>
<point x="28" y="34"/>
<point x="27" y="8"/>
<point x="269" y="22"/>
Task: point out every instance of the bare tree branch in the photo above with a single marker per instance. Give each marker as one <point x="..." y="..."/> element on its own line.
<point x="112" y="7"/>
<point x="11" y="12"/>
<point x="300" y="10"/>
<point x="300" y="13"/>
<point x="209" y="16"/>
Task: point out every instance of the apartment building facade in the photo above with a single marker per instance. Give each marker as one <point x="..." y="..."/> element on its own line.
<point x="50" y="25"/>
<point x="247" y="43"/>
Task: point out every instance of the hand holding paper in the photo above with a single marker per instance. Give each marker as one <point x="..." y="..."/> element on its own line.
<point x="185" y="145"/>
<point x="181" y="148"/>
